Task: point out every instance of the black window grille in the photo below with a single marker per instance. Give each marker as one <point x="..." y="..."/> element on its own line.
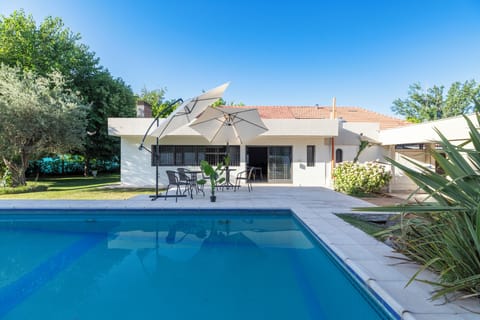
<point x="171" y="155"/>
<point x="310" y="156"/>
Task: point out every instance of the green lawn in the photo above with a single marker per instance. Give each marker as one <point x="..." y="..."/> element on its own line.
<point x="105" y="187"/>
<point x="370" y="228"/>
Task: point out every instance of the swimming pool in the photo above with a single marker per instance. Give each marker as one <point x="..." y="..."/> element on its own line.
<point x="133" y="264"/>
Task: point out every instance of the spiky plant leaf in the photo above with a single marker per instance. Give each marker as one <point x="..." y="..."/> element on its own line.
<point x="443" y="234"/>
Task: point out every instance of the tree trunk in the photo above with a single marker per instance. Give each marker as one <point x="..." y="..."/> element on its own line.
<point x="18" y="172"/>
<point x="86" y="167"/>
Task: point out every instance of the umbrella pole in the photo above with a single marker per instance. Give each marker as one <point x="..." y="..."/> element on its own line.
<point x="156" y="172"/>
<point x="166" y="111"/>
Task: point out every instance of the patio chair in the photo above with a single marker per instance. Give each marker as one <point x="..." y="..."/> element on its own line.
<point x="174" y="180"/>
<point x="244" y="175"/>
<point x="186" y="178"/>
<point x="190" y="177"/>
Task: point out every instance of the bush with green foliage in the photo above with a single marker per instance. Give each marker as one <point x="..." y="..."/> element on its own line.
<point x="360" y="178"/>
<point x="24" y="189"/>
<point x="443" y="232"/>
<point x="5" y="176"/>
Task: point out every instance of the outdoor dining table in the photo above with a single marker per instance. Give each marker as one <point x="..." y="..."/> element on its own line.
<point x="194" y="178"/>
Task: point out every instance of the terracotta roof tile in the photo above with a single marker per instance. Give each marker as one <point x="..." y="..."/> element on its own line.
<point x="348" y="114"/>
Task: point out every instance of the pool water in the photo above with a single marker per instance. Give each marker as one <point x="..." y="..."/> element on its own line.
<point x="188" y="265"/>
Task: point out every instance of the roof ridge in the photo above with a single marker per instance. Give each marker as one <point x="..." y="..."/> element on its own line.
<point x="290" y="109"/>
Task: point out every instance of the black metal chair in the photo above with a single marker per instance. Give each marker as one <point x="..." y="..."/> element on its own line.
<point x="174" y="180"/>
<point x="245" y="175"/>
<point x="186" y="176"/>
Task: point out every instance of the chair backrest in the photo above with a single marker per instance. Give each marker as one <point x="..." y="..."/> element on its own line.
<point x="250" y="173"/>
<point x="172" y="177"/>
<point x="182" y="173"/>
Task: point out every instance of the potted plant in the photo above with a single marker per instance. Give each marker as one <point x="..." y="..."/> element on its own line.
<point x="214" y="175"/>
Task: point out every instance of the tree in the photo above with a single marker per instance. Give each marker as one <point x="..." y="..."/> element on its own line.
<point x="156" y="98"/>
<point x="51" y="47"/>
<point x="221" y="102"/>
<point x="108" y="97"/>
<point x="433" y="104"/>
<point x="46" y="48"/>
<point x="39" y="115"/>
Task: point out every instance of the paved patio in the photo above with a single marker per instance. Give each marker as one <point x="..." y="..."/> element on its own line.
<point x="373" y="261"/>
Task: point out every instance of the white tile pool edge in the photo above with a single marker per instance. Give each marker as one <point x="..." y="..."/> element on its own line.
<point x="360" y="252"/>
<point x="389" y="274"/>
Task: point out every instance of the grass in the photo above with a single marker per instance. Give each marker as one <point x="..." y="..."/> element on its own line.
<point x="104" y="187"/>
<point x="368" y="227"/>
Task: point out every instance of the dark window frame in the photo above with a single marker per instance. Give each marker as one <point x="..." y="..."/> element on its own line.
<point x="176" y="155"/>
<point x="310" y="156"/>
<point x="338" y="155"/>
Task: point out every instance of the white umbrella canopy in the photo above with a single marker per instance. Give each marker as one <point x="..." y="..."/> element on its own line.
<point x="188" y="111"/>
<point x="229" y="125"/>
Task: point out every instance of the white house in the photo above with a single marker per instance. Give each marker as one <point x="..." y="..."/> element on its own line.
<point x="300" y="148"/>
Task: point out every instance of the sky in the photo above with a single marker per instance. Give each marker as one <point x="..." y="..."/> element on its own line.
<point x="277" y="52"/>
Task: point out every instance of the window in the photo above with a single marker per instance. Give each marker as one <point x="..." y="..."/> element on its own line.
<point x="192" y="155"/>
<point x="310" y="156"/>
<point x="412" y="146"/>
<point x="338" y="155"/>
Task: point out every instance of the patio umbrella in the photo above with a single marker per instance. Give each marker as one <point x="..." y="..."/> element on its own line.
<point x="182" y="115"/>
<point x="229" y="125"/>
<point x="188" y="111"/>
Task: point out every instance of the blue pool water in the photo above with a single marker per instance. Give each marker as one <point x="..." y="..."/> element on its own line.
<point x="160" y="265"/>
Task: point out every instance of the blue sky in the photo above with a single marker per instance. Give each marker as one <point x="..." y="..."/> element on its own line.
<point x="365" y="53"/>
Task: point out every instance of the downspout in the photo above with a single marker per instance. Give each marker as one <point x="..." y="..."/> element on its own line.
<point x="333" y="116"/>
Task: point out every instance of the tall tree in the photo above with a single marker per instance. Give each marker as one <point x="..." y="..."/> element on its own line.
<point x="53" y="47"/>
<point x="39" y="115"/>
<point x="433" y="104"/>
<point x="45" y="48"/>
<point x="108" y="97"/>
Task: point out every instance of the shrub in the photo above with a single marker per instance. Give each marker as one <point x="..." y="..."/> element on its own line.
<point x="24" y="189"/>
<point x="360" y="178"/>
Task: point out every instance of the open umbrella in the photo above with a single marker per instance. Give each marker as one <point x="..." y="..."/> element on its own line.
<point x="229" y="125"/>
<point x="188" y="111"/>
<point x="181" y="116"/>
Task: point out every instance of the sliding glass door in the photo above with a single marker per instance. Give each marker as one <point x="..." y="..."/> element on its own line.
<point x="279" y="164"/>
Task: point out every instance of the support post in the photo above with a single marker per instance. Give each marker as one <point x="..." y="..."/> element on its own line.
<point x="156" y="121"/>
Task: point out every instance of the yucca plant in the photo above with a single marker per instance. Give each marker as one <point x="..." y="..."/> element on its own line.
<point x="443" y="232"/>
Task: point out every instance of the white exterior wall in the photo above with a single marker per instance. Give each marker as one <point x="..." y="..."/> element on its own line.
<point x="350" y="136"/>
<point x="136" y="169"/>
<point x="301" y="174"/>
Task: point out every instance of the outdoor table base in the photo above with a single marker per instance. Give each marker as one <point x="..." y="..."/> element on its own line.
<point x="227" y="184"/>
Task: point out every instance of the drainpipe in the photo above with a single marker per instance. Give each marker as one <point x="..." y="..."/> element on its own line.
<point x="333" y="116"/>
